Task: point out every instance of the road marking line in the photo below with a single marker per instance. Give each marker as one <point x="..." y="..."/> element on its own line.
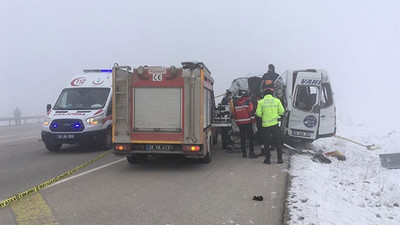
<point x="43" y="185"/>
<point x="86" y="172"/>
<point x="19" y="134"/>
<point x="18" y="139"/>
<point x="33" y="210"/>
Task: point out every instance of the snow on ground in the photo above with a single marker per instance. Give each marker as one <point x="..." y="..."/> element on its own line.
<point x="356" y="191"/>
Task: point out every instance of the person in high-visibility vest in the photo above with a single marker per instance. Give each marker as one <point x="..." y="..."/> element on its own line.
<point x="270" y="109"/>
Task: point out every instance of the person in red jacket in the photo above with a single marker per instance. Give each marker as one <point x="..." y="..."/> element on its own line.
<point x="244" y="118"/>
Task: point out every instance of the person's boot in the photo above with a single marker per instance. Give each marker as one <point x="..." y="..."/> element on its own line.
<point x="252" y="155"/>
<point x="228" y="148"/>
<point x="262" y="153"/>
<point x="244" y="154"/>
<point x="267" y="160"/>
<point x="280" y="161"/>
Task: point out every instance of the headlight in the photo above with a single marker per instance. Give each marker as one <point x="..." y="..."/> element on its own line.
<point x="46" y="121"/>
<point x="94" y="120"/>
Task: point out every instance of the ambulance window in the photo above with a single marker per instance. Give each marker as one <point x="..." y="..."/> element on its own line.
<point x="82" y="98"/>
<point x="306" y="97"/>
<point x="326" y="98"/>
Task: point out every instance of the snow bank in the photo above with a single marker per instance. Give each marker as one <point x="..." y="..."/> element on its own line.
<point x="356" y="191"/>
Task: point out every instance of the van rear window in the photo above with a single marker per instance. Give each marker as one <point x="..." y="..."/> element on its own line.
<point x="306" y="97"/>
<point x="326" y="98"/>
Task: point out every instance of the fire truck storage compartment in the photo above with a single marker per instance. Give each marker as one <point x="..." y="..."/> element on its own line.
<point x="157" y="109"/>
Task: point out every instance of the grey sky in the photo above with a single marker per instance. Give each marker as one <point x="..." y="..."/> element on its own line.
<point x="44" y="43"/>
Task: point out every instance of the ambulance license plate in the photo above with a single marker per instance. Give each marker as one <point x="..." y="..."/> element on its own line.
<point x="159" y="147"/>
<point x="65" y="136"/>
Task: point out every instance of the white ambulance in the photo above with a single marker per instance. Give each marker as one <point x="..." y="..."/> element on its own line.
<point x="82" y="113"/>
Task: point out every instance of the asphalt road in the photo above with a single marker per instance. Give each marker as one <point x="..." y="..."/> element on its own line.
<point x="166" y="190"/>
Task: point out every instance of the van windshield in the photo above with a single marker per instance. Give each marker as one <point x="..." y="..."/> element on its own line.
<point x="82" y="98"/>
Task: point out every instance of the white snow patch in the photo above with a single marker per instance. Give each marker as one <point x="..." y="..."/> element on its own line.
<point x="356" y="191"/>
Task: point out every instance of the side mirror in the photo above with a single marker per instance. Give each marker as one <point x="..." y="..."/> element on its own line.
<point x="48" y="107"/>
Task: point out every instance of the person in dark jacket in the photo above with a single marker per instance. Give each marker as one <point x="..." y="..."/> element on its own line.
<point x="259" y="133"/>
<point x="225" y="131"/>
<point x="244" y="118"/>
<point x="268" y="79"/>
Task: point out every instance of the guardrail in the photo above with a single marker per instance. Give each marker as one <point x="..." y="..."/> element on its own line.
<point x="23" y="119"/>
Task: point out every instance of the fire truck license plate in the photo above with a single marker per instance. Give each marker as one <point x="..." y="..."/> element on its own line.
<point x="159" y="147"/>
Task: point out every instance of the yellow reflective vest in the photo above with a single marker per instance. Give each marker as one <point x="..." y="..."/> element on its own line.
<point x="269" y="109"/>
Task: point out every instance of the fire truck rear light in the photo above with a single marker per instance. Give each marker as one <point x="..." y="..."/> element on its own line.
<point x="191" y="148"/>
<point x="194" y="148"/>
<point x="122" y="147"/>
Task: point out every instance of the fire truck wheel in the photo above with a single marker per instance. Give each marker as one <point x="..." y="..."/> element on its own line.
<point x="215" y="136"/>
<point x="207" y="157"/>
<point x="131" y="159"/>
<point x="53" y="148"/>
<point x="142" y="158"/>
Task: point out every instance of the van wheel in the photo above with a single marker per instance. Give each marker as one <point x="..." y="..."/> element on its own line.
<point x="53" y="148"/>
<point x="107" y="142"/>
<point x="207" y="157"/>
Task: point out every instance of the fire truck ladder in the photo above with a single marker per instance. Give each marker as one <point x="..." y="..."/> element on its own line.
<point x="121" y="98"/>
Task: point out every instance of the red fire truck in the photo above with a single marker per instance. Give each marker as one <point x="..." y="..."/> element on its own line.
<point x="163" y="110"/>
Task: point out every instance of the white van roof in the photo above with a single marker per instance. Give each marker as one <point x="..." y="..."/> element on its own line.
<point x="92" y="78"/>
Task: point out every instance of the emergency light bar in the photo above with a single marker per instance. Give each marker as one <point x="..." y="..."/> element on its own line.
<point x="97" y="71"/>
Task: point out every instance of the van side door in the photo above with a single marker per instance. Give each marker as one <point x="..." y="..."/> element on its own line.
<point x="305" y="114"/>
<point x="327" y="125"/>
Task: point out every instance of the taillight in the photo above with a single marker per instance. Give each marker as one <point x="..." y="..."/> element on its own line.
<point x="122" y="147"/>
<point x="191" y="148"/>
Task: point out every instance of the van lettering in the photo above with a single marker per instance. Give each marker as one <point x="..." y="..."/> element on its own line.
<point x="310" y="81"/>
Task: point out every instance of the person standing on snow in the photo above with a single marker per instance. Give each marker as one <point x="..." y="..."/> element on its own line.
<point x="244" y="118"/>
<point x="270" y="109"/>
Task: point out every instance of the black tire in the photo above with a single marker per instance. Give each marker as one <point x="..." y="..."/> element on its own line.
<point x="142" y="158"/>
<point x="131" y="159"/>
<point x="207" y="157"/>
<point x="107" y="142"/>
<point x="215" y="136"/>
<point x="53" y="148"/>
<point x="137" y="158"/>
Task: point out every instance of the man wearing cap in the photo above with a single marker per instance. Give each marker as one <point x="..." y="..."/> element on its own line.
<point x="270" y="109"/>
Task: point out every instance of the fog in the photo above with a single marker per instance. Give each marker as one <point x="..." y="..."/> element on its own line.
<point x="44" y="43"/>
